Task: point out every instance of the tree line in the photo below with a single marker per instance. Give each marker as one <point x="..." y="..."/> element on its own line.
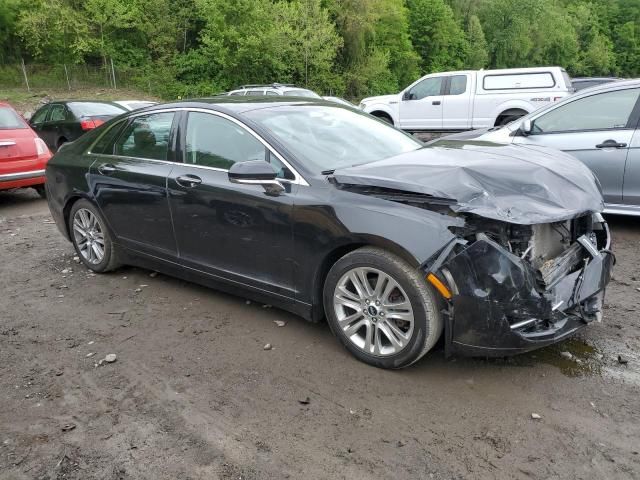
<point x="352" y="48"/>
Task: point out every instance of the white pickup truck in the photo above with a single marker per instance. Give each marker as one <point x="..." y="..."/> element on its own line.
<point x="456" y="101"/>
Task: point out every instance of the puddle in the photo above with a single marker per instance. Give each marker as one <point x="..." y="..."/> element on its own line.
<point x="585" y="360"/>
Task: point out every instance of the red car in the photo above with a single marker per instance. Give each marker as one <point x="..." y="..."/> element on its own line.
<point x="23" y="155"/>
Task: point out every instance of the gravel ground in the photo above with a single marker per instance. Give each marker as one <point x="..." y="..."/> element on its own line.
<point x="193" y="394"/>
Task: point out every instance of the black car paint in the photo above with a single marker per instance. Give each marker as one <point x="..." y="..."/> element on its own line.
<point x="279" y="249"/>
<point x="55" y="133"/>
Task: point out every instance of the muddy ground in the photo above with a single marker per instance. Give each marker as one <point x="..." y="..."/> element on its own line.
<point x="193" y="394"/>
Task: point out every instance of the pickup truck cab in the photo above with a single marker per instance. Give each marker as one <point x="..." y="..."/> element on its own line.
<point x="466" y="100"/>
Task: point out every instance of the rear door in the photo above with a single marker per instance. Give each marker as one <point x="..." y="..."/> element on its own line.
<point x="421" y="105"/>
<point x="50" y="131"/>
<point x="128" y="179"/>
<point x="37" y="121"/>
<point x="597" y="129"/>
<point x="225" y="229"/>
<point x="456" y="103"/>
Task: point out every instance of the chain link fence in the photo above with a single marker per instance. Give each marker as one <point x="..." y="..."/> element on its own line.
<point x="71" y="77"/>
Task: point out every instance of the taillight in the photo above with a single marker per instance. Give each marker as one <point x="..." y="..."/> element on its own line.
<point x="90" y="123"/>
<point x="41" y="147"/>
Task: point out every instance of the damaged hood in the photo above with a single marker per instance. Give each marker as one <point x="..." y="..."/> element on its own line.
<point x="518" y="184"/>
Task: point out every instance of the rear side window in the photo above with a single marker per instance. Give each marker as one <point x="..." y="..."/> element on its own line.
<point x="216" y="142"/>
<point x="255" y="92"/>
<point x="147" y="136"/>
<point x="518" y="81"/>
<point x="57" y="114"/>
<point x="458" y="85"/>
<point x="271" y="92"/>
<point x="605" y="111"/>
<point x="95" y="109"/>
<point x="10" y="120"/>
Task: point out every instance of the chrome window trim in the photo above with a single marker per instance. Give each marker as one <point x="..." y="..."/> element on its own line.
<point x="298" y="179"/>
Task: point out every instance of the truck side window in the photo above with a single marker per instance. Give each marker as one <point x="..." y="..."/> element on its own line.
<point x="426" y="88"/>
<point x="458" y="85"/>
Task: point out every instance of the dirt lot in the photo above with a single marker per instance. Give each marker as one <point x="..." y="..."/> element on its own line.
<point x="193" y="394"/>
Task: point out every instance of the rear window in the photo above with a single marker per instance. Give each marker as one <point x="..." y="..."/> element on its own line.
<point x="10" y="120"/>
<point x="301" y="93"/>
<point x="90" y="109"/>
<point x="518" y="81"/>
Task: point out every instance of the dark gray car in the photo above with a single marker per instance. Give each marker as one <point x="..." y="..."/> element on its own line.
<point x="599" y="126"/>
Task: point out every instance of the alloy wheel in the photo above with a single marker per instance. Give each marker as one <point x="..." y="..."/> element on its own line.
<point x="89" y="236"/>
<point x="373" y="311"/>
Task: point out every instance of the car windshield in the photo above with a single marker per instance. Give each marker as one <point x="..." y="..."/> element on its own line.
<point x="299" y="92"/>
<point x="326" y="138"/>
<point x="94" y="109"/>
<point x="10" y="120"/>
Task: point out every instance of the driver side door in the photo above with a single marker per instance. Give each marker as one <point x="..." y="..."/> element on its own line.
<point x="421" y="105"/>
<point x="228" y="230"/>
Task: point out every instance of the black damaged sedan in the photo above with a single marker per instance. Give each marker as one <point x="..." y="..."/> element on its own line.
<point x="330" y="213"/>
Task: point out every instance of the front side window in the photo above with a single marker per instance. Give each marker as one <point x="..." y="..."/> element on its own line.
<point x="324" y="137"/>
<point x="106" y="143"/>
<point x="213" y="141"/>
<point x="604" y="111"/>
<point x="147" y="136"/>
<point x="458" y="85"/>
<point x="426" y="88"/>
<point x="40" y="115"/>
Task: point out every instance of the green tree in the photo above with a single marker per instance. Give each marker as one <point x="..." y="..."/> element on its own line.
<point x="477" y="56"/>
<point x="436" y="35"/>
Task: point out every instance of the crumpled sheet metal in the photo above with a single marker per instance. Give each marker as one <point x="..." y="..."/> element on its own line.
<point x="516" y="184"/>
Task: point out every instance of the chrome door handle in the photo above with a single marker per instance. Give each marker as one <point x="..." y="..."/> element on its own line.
<point x="188" y="181"/>
<point x="106" y="169"/>
<point x="611" y="144"/>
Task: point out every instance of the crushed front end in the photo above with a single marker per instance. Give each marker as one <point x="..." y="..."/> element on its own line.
<point x="515" y="287"/>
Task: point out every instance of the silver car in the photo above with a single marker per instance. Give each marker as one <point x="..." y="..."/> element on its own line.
<point x="598" y="125"/>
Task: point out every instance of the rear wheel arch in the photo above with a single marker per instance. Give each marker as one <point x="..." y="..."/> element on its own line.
<point x="66" y="211"/>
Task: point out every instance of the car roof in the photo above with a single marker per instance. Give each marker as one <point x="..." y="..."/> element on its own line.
<point x="606" y="87"/>
<point x="242" y="104"/>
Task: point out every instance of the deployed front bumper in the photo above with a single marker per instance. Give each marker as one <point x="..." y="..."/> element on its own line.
<point x="498" y="308"/>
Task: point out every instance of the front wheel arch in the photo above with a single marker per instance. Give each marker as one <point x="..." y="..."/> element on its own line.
<point x="384" y="116"/>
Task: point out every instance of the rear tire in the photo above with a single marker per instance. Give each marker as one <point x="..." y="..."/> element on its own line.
<point x="405" y="321"/>
<point x="42" y="191"/>
<point x="91" y="238"/>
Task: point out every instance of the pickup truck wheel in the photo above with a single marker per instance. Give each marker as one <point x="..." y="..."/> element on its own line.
<point x="383" y="116"/>
<point x="381" y="308"/>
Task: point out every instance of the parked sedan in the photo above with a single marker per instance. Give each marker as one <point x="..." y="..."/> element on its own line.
<point x="60" y="122"/>
<point x="598" y="125"/>
<point x="23" y="155"/>
<point x="327" y="212"/>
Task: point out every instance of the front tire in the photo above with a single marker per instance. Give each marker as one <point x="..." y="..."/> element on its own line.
<point x="91" y="238"/>
<point x="381" y="308"/>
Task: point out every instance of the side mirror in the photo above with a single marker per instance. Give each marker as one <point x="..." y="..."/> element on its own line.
<point x="256" y="172"/>
<point x="408" y="95"/>
<point x="526" y="127"/>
